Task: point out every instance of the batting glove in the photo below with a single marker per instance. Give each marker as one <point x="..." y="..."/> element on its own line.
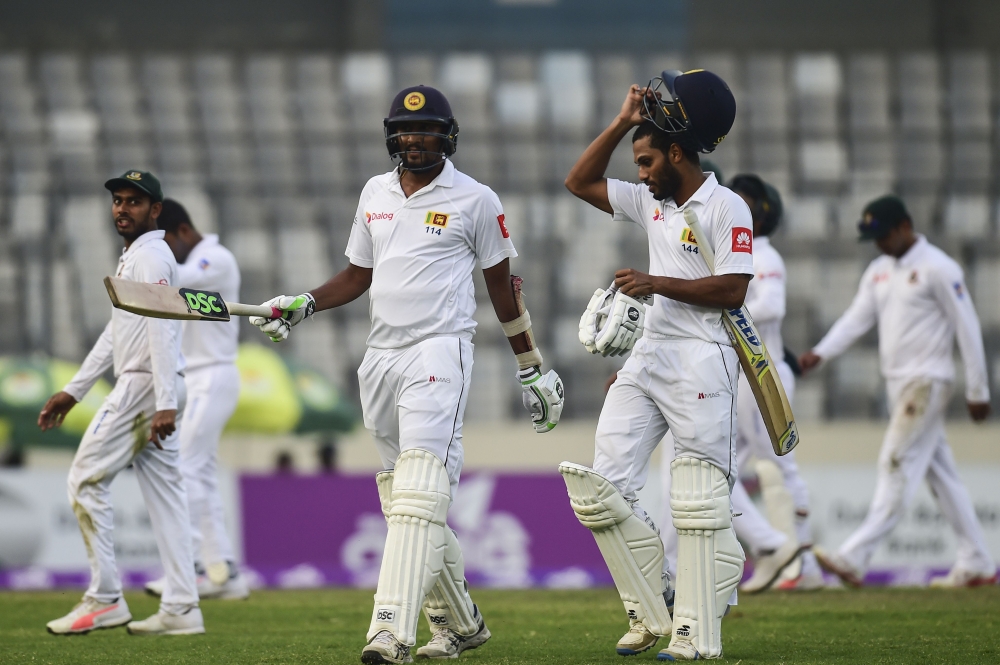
<point x="294" y="309"/>
<point x="542" y="396"/>
<point x="588" y="322"/>
<point x="623" y="326"/>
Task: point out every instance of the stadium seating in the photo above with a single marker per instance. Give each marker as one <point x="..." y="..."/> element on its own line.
<point x="271" y="150"/>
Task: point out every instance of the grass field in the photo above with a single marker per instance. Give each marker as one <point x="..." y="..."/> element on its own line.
<point x="328" y="626"/>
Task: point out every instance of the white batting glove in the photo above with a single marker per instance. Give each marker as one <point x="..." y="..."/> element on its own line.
<point x="618" y="333"/>
<point x="294" y="309"/>
<point x="542" y="396"/>
<point x="588" y="322"/>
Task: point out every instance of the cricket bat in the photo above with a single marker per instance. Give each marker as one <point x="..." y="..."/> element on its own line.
<point x="170" y="302"/>
<point x="754" y="359"/>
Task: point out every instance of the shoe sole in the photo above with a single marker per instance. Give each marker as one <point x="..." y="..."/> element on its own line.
<point x="180" y="631"/>
<point x="633" y="652"/>
<point x="847" y="577"/>
<point x="90" y="630"/>
<point x="476" y="641"/>
<point x="150" y="592"/>
<point x="777" y="573"/>
<point x="375" y="658"/>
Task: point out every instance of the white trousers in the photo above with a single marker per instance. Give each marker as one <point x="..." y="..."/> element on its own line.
<point x="686" y="386"/>
<point x="415" y="397"/>
<point x="118" y="436"/>
<point x="212" y="393"/>
<point x="914" y="448"/>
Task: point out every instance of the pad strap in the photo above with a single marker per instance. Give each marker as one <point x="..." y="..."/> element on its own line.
<point x="517" y="326"/>
<point x="528" y="359"/>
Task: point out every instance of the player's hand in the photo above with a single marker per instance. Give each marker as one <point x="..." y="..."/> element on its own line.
<point x="294" y="310"/>
<point x="808" y="361"/>
<point x="163" y="425"/>
<point x="635" y="284"/>
<point x="55" y="410"/>
<point x="632" y="107"/>
<point x="542" y="396"/>
<point x="979" y="410"/>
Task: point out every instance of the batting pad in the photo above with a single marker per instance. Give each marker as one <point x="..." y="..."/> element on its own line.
<point x="631" y="548"/>
<point x="709" y="558"/>
<point x="414" y="546"/>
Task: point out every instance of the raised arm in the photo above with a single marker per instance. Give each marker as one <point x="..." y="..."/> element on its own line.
<point x="586" y="179"/>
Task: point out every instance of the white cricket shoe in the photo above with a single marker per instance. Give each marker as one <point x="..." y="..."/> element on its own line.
<point x="446" y="643"/>
<point x="804" y="582"/>
<point x="957" y="578"/>
<point x="89" y="615"/>
<point x="679" y="650"/>
<point x="767" y="567"/>
<point x="385" y="648"/>
<point x="636" y="640"/>
<point x="235" y="588"/>
<point x="161" y="623"/>
<point x="832" y="562"/>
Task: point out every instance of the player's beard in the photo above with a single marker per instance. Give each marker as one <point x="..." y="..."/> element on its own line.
<point x="421" y="160"/>
<point x="138" y="228"/>
<point x="667" y="182"/>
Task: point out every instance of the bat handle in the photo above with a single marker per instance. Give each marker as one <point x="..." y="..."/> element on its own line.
<point x="266" y="311"/>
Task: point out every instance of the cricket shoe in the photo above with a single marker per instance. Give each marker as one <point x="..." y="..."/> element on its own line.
<point x="446" y="643"/>
<point x="385" y="648"/>
<point x="161" y="623"/>
<point x="89" y="615"/>
<point x="804" y="582"/>
<point x="235" y="588"/>
<point x="958" y="578"/>
<point x="679" y="650"/>
<point x="832" y="562"/>
<point x="768" y="566"/>
<point x="636" y="640"/>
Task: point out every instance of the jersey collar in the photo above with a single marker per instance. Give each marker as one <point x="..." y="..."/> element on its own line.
<point x="444" y="179"/>
<point x="703" y="194"/>
<point x="149" y="236"/>
<point x="913" y="253"/>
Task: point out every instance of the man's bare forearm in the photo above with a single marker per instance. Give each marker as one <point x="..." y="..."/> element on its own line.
<point x="706" y="292"/>
<point x="502" y="296"/>
<point x="347" y="285"/>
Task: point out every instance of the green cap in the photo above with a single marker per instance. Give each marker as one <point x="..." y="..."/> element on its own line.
<point x="881" y="216"/>
<point x="144" y="181"/>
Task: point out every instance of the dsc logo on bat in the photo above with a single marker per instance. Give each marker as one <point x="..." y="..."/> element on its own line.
<point x="207" y="303"/>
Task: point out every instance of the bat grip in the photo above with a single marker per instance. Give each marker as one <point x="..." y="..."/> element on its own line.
<point x="266" y="311"/>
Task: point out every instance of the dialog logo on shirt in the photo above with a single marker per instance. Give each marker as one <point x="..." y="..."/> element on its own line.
<point x="657" y="215"/>
<point x="742" y="240"/>
<point x="375" y="216"/>
<point x="436" y="219"/>
<point x="503" y="227"/>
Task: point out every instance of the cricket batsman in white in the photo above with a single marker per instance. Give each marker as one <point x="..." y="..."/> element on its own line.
<point x="916" y="295"/>
<point x="419" y="232"/>
<point x="213" y="389"/>
<point x="137" y="425"/>
<point x="683" y="372"/>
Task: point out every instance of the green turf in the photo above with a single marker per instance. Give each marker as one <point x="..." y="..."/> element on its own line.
<point x="328" y="626"/>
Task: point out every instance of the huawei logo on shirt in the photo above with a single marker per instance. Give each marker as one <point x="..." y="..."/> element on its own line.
<point x="375" y="216"/>
<point x="742" y="240"/>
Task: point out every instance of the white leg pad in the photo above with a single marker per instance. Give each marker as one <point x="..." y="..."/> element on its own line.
<point x="414" y="546"/>
<point x="448" y="603"/>
<point x="631" y="548"/>
<point x="778" y="503"/>
<point x="709" y="558"/>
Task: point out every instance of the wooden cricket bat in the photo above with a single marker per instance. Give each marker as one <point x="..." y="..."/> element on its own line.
<point x="170" y="302"/>
<point x="754" y="359"/>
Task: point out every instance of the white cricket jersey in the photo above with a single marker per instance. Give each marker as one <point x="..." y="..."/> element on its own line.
<point x="423" y="250"/>
<point x="673" y="251"/>
<point x="921" y="306"/>
<point x="134" y="343"/>
<point x="766" y="295"/>
<point x="211" y="267"/>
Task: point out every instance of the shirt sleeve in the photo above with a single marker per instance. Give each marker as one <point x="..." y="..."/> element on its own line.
<point x="360" y="249"/>
<point x="766" y="296"/>
<point x="628" y="201"/>
<point x="950" y="292"/>
<point x="491" y="242"/>
<point x="732" y="236"/>
<point x="852" y="324"/>
<point x="162" y="335"/>
<point x="97" y="363"/>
